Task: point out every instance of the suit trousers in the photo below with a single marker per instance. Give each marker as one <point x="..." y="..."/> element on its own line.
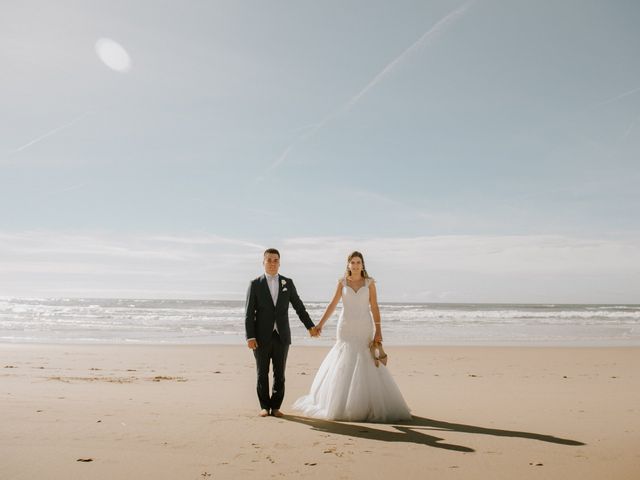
<point x="274" y="352"/>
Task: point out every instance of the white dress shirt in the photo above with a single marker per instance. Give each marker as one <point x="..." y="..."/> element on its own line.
<point x="272" y="281"/>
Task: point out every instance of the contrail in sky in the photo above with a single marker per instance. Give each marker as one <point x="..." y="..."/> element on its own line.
<point x="617" y="97"/>
<point x="438" y="29"/>
<point x="630" y="127"/>
<point x="430" y="35"/>
<point x="48" y="134"/>
<point x="310" y="133"/>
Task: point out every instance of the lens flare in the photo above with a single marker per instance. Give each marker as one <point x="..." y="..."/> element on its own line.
<point x="113" y="55"/>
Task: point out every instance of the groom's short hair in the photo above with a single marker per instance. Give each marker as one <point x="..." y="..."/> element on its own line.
<point x="271" y="250"/>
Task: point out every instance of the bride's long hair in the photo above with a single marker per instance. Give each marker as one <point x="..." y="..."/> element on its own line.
<point x="364" y="270"/>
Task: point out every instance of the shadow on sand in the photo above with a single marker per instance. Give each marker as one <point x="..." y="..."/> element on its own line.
<point x="413" y="431"/>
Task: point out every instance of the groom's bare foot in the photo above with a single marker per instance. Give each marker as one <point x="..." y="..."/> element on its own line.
<point x="264" y="413"/>
<point x="277" y="413"/>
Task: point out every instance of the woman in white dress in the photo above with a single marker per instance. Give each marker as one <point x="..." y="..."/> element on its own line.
<point x="349" y="386"/>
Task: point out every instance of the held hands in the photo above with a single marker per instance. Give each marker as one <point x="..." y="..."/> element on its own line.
<point x="313" y="331"/>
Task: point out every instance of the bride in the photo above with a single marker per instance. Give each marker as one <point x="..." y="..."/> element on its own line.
<point x="349" y="385"/>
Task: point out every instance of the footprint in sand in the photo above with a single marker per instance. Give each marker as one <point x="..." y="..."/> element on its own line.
<point x="159" y="378"/>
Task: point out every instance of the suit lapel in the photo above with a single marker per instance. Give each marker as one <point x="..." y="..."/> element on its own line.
<point x="280" y="287"/>
<point x="265" y="288"/>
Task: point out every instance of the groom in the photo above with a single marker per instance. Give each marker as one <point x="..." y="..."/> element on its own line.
<point x="267" y="328"/>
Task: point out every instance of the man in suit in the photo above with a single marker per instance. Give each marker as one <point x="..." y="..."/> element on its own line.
<point x="267" y="328"/>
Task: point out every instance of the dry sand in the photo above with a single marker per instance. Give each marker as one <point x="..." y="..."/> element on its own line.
<point x="190" y="412"/>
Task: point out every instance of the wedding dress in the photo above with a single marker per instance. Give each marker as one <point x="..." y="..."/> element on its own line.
<point x="348" y="385"/>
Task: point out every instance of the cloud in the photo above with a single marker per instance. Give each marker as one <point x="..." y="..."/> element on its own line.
<point x="87" y="263"/>
<point x="486" y="253"/>
<point x="477" y="268"/>
<point x="443" y="220"/>
<point x="206" y="240"/>
<point x="456" y="268"/>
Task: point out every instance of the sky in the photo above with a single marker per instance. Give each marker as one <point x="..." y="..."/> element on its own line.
<point x="478" y="151"/>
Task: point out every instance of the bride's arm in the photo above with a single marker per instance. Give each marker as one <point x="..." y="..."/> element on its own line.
<point x="331" y="307"/>
<point x="375" y="310"/>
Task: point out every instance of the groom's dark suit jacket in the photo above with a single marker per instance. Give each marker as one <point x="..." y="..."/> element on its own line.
<point x="262" y="314"/>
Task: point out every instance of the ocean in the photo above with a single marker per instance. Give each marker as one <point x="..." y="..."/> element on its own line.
<point x="143" y="321"/>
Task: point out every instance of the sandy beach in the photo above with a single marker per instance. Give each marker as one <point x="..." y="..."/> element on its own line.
<point x="190" y="412"/>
